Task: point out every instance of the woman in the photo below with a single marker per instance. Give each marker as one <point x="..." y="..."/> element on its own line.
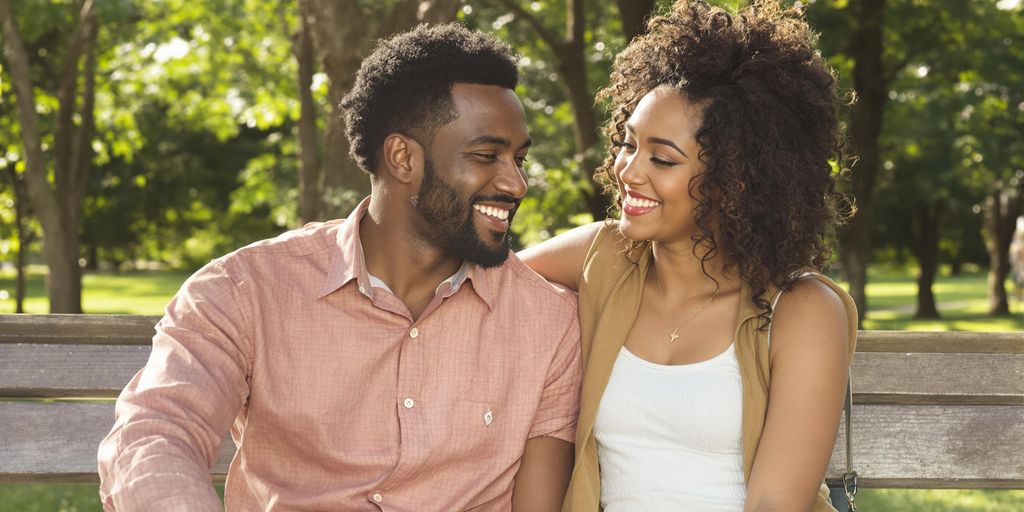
<point x="706" y="388"/>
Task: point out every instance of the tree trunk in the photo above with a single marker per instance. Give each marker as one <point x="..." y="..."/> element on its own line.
<point x="925" y="242"/>
<point x="865" y="126"/>
<point x="58" y="206"/>
<point x="64" y="282"/>
<point x="570" y="64"/>
<point x="19" y="282"/>
<point x="342" y="34"/>
<point x="310" y="177"/>
<point x="634" y="15"/>
<point x="1001" y="212"/>
<point x="24" y="237"/>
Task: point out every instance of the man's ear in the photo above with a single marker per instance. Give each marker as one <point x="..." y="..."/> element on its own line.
<point x="401" y="158"/>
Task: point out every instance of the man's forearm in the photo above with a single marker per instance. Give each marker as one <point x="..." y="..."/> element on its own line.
<point x="543" y="475"/>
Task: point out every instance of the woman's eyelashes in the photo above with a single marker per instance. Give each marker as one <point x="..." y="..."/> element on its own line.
<point x="661" y="162"/>
<point x="629" y="147"/>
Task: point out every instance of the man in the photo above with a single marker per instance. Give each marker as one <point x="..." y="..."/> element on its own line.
<point x="400" y="359"/>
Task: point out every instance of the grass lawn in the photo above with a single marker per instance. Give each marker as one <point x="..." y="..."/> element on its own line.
<point x="130" y="293"/>
<point x="891" y="296"/>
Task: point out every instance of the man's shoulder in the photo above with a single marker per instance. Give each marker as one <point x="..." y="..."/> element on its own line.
<point x="312" y="238"/>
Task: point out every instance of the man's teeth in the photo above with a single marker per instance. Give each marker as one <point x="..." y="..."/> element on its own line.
<point x="497" y="213"/>
<point x="636" y="202"/>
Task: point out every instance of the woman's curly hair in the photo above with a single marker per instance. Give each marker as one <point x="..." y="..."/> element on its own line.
<point x="769" y="141"/>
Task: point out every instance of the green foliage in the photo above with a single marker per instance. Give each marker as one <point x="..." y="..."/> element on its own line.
<point x="196" y="110"/>
<point x="953" y="122"/>
<point x="196" y="152"/>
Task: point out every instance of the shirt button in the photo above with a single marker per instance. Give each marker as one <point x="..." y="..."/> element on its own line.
<point x="362" y="290"/>
<point x="378" y="498"/>
<point x="408" y="403"/>
<point x="414" y="332"/>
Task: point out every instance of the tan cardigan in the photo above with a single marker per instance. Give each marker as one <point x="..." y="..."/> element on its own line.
<point x="609" y="298"/>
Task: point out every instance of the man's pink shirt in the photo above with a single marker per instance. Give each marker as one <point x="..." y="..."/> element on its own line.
<point x="335" y="397"/>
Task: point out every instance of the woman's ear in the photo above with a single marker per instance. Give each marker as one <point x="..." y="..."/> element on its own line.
<point x="401" y="158"/>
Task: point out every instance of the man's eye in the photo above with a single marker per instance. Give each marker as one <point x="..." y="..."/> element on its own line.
<point x="490" y="157"/>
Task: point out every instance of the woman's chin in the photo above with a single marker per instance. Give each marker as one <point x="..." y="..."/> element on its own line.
<point x="632" y="231"/>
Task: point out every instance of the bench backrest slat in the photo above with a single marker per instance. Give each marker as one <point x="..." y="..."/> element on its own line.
<point x="931" y="409"/>
<point x="77" y="329"/>
<point x="61" y="371"/>
<point x="57" y="442"/>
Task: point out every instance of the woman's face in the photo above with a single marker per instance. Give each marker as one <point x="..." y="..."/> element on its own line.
<point x="654" y="167"/>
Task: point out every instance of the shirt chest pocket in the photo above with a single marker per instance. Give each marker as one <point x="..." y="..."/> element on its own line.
<point x="487" y="442"/>
<point x="484" y="433"/>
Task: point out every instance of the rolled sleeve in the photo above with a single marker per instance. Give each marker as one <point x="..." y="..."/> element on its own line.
<point x="173" y="416"/>
<point x="560" y="401"/>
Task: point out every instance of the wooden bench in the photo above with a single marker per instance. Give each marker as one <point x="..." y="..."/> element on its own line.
<point x="931" y="409"/>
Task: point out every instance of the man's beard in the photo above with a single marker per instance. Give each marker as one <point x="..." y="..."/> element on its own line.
<point x="449" y="221"/>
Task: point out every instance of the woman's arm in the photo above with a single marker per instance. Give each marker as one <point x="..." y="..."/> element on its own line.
<point x="809" y="362"/>
<point x="560" y="259"/>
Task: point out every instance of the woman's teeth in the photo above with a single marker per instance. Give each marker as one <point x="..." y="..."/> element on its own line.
<point x="493" y="211"/>
<point x="636" y="202"/>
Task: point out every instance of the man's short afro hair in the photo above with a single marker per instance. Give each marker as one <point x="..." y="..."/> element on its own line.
<point x="404" y="85"/>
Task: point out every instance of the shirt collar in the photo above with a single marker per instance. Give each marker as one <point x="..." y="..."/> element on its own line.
<point x="348" y="263"/>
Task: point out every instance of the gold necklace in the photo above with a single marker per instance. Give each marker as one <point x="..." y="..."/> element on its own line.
<point x="674" y="335"/>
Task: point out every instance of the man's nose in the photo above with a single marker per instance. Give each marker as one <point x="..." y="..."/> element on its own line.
<point x="511" y="181"/>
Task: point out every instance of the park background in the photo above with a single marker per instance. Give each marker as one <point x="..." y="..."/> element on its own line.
<point x="140" y="139"/>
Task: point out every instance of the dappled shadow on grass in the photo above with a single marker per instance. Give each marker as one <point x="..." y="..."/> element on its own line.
<point x="85" y="498"/>
<point x="974" y="317"/>
<point x="939" y="500"/>
<point x="49" y="498"/>
<point x="128" y="293"/>
<point x="55" y="497"/>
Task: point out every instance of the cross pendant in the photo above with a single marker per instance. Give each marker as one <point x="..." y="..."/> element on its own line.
<point x="672" y="337"/>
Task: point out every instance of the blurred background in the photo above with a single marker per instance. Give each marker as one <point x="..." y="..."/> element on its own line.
<point x="141" y="138"/>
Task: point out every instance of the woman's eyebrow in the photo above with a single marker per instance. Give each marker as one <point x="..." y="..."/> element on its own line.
<point x="658" y="140"/>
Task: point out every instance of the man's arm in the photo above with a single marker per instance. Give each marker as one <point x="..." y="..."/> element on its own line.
<point x="546" y="466"/>
<point x="172" y="417"/>
<point x="543" y="475"/>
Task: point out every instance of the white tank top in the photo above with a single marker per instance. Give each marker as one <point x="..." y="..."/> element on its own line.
<point x="668" y="437"/>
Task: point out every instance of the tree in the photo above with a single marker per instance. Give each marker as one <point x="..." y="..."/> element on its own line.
<point x="869" y="77"/>
<point x="634" y="14"/>
<point x="571" y="66"/>
<point x="23" y="233"/>
<point x="342" y="33"/>
<point x="58" y="204"/>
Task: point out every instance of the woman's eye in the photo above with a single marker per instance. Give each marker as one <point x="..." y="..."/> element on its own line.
<point x="661" y="162"/>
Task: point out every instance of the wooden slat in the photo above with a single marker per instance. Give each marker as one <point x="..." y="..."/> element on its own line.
<point x="894" y="446"/>
<point x="60" y="371"/>
<point x="72" y="329"/>
<point x="57" y="442"/>
<point x="134" y="329"/>
<point x="935" y="446"/>
<point x="939" y="342"/>
<point x="902" y="378"/>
